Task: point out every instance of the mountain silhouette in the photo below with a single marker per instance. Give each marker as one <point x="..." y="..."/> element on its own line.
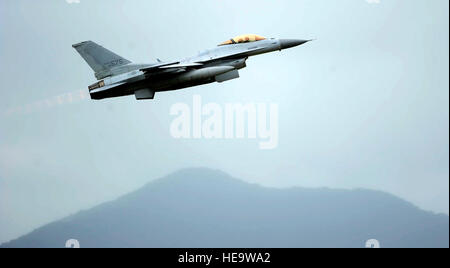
<point x="207" y="208"/>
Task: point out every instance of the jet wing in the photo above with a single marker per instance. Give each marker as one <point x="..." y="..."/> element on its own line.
<point x="170" y="66"/>
<point x="178" y="66"/>
<point x="182" y="65"/>
<point x="157" y="66"/>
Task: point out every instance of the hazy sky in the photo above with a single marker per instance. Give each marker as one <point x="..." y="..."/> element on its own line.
<point x="366" y="105"/>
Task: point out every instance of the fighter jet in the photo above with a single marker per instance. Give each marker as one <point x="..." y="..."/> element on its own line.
<point x="118" y="76"/>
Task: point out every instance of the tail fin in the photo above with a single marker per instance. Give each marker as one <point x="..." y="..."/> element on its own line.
<point x="99" y="58"/>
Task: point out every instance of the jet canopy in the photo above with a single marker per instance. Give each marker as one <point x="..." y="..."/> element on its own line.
<point x="246" y="38"/>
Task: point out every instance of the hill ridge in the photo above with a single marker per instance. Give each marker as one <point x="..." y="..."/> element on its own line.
<point x="200" y="207"/>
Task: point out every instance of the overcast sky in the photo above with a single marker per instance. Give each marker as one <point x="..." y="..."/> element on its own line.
<point x="366" y="105"/>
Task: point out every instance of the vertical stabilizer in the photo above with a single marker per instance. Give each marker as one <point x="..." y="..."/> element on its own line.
<point x="100" y="59"/>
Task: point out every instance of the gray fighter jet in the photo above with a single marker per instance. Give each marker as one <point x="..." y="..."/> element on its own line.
<point x="120" y="77"/>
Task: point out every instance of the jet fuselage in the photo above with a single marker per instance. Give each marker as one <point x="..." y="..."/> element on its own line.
<point x="122" y="78"/>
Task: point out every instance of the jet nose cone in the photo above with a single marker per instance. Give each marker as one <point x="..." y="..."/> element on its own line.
<point x="288" y="43"/>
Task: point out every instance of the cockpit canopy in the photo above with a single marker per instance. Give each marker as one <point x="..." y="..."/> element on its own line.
<point x="246" y="38"/>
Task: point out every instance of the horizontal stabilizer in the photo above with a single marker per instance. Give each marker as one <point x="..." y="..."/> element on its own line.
<point x="106" y="88"/>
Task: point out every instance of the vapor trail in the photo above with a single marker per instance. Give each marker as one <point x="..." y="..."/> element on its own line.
<point x="59" y="100"/>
